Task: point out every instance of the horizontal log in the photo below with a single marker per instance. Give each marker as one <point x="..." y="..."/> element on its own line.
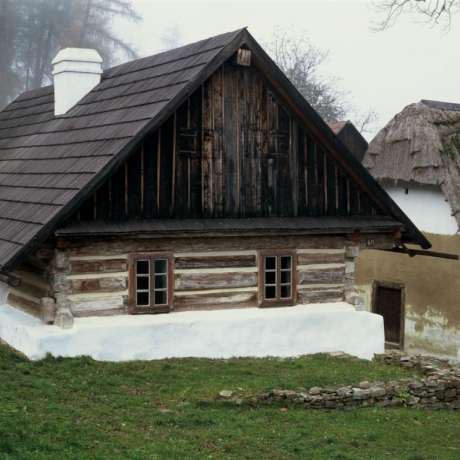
<point x="320" y="258"/>
<point x="216" y="291"/>
<point x="98" y="284"/>
<point x="32" y="308"/>
<point x="197" y="281"/>
<point x="108" y="312"/>
<point x="321" y="296"/>
<point x="320" y="251"/>
<point x="215" y="301"/>
<point x="38" y="281"/>
<point x="95" y="266"/>
<point x="327" y="276"/>
<point x="215" y="262"/>
<point x="97" y="246"/>
<point x="90" y="296"/>
<point x="215" y="253"/>
<point x="93" y="276"/>
<point x="317" y="287"/>
<point x="90" y="306"/>
<point x="98" y="257"/>
<point x="28" y="293"/>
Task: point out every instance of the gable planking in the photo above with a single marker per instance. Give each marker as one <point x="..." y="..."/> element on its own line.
<point x="232" y="149"/>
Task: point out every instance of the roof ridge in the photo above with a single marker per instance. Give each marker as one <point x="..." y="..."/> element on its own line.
<point x="441" y="105"/>
<point x="165" y="52"/>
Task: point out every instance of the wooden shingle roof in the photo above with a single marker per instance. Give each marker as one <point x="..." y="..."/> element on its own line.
<point x="49" y="164"/>
<point x="45" y="161"/>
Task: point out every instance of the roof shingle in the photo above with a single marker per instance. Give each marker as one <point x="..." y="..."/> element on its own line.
<point x="45" y="161"/>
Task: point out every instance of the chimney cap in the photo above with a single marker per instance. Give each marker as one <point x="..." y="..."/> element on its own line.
<point x="77" y="55"/>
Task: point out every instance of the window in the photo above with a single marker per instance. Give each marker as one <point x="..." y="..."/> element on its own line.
<point x="150" y="283"/>
<point x="276" y="278"/>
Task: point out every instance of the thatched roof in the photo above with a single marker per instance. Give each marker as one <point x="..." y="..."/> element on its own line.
<point x="420" y="145"/>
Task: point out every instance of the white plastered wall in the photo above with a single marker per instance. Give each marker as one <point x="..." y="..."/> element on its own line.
<point x="426" y="206"/>
<point x="288" y="331"/>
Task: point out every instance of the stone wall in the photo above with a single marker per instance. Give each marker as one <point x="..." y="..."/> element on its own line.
<point x="437" y="388"/>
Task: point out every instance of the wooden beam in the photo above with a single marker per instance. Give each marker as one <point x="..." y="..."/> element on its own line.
<point x="10" y="279"/>
<point x="420" y="252"/>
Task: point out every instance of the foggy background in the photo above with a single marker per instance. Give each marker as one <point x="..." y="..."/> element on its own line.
<point x="384" y="70"/>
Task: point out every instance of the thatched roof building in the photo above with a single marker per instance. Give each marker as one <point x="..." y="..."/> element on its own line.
<point x="420" y="145"/>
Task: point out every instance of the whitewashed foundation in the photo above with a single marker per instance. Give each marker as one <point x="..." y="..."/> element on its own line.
<point x="283" y="332"/>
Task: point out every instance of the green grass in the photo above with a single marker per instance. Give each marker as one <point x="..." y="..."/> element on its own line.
<point x="82" y="409"/>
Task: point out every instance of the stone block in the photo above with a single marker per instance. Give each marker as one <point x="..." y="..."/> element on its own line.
<point x="64" y="318"/>
<point x="351" y="252"/>
<point x="48" y="310"/>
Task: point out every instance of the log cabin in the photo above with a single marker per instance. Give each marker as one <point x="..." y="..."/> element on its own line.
<point x="195" y="179"/>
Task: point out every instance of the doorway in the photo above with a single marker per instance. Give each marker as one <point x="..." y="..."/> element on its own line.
<point x="388" y="301"/>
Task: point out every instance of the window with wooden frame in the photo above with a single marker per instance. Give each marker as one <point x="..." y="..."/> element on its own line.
<point x="150" y="283"/>
<point x="277" y="278"/>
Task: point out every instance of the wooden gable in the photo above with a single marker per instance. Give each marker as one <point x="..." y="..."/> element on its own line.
<point x="232" y="149"/>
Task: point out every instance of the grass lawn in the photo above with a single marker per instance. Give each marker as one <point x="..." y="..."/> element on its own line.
<point x="82" y="409"/>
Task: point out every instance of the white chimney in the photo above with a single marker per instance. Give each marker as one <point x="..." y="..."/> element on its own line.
<point x="76" y="72"/>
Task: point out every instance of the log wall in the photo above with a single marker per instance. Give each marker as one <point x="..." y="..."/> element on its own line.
<point x="209" y="273"/>
<point x="34" y="274"/>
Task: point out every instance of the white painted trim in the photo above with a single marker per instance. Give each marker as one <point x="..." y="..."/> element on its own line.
<point x="321" y="251"/>
<point x="217" y="270"/>
<point x="98" y="257"/>
<point x="215" y="291"/>
<point x="319" y="266"/>
<point x="215" y="254"/>
<point x="92" y="276"/>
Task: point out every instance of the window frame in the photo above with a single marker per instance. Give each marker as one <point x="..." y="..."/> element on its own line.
<point x="278" y="301"/>
<point x="133" y="308"/>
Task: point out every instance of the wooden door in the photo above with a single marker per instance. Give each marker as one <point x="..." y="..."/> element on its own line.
<point x="388" y="302"/>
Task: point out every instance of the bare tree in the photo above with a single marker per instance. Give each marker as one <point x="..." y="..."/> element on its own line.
<point x="432" y="11"/>
<point x="171" y="38"/>
<point x="9" y="81"/>
<point x="301" y="61"/>
<point x="366" y="121"/>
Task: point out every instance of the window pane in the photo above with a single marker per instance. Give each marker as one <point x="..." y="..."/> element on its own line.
<point x="270" y="263"/>
<point x="285" y="277"/>
<point x="142" y="298"/>
<point x="286" y="262"/>
<point x="160" y="281"/>
<point x="161" y="266"/>
<point x="285" y="292"/>
<point x="142" y="267"/>
<point x="270" y="292"/>
<point x="161" y="297"/>
<point x="142" y="282"/>
<point x="270" y="277"/>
